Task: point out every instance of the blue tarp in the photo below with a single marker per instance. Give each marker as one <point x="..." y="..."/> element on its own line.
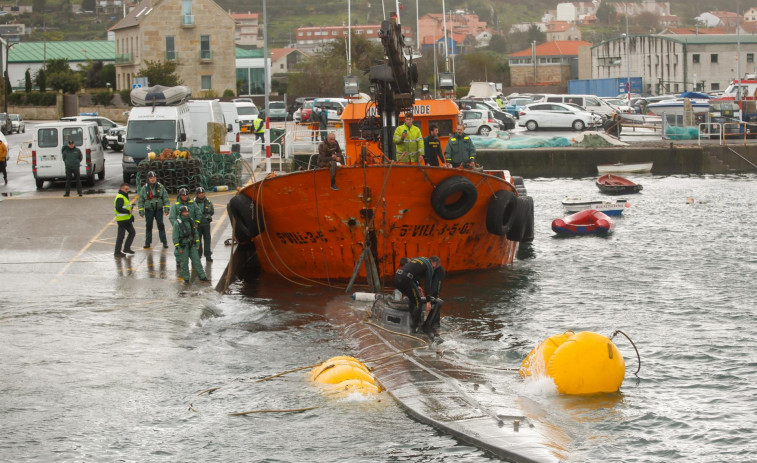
<point x="696" y="95"/>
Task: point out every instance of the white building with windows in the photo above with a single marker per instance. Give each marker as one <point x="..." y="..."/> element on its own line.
<point x="313" y="39"/>
<point x="676" y="63"/>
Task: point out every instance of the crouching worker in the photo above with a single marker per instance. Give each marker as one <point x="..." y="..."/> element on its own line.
<point x="187" y="243"/>
<point x="408" y="281"/>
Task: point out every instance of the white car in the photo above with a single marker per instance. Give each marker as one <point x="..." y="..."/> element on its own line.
<point x="103" y="124"/>
<point x="116" y="137"/>
<point x="619" y="104"/>
<point x="556" y="116"/>
<point x="479" y="122"/>
<point x="17" y="122"/>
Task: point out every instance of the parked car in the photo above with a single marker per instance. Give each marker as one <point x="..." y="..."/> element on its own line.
<point x="514" y="105"/>
<point x="506" y="121"/>
<point x="303" y="114"/>
<point x="334" y="107"/>
<point x="479" y="121"/>
<point x="116" y="137"/>
<point x="6" y="126"/>
<point x="620" y="104"/>
<point x="103" y="124"/>
<point x="298" y="104"/>
<point x="277" y="110"/>
<point x="17" y="123"/>
<point x="556" y="116"/>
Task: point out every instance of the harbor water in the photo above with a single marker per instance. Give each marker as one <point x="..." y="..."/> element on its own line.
<point x="124" y="365"/>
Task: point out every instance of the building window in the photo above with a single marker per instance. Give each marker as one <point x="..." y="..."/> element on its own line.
<point x="310" y="34"/>
<point x="750" y="57"/>
<point x="170" y="48"/>
<point x="695" y="58"/>
<point x="714" y="86"/>
<point x="205" y="47"/>
<point x="205" y="82"/>
<point x="714" y="58"/>
<point x="299" y="34"/>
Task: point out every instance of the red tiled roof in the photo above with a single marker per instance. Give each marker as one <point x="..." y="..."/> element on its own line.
<point x="244" y="15"/>
<point x="277" y="53"/>
<point x="556" y="48"/>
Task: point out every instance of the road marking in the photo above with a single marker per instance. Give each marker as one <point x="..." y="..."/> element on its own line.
<point x="86" y="247"/>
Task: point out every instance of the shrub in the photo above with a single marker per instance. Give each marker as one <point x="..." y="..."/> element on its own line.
<point x="228" y="93"/>
<point x="16" y="99"/>
<point x="41" y="99"/>
<point x="125" y="96"/>
<point x="103" y="98"/>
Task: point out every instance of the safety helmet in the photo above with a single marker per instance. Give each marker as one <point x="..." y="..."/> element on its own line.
<point x="183" y="191"/>
<point x="183" y="209"/>
<point x="200" y="190"/>
<point x="151" y="174"/>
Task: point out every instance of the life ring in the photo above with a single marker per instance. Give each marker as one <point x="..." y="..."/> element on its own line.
<point x="241" y="208"/>
<point x="522" y="213"/>
<point x="502" y="212"/>
<point x="456" y="186"/>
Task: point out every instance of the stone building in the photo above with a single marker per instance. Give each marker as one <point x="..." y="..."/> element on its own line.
<point x="676" y="63"/>
<point x="197" y="34"/>
<point x="550" y="63"/>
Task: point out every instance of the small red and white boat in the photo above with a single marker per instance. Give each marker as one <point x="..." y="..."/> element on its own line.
<point x="747" y="87"/>
<point x="613" y="184"/>
<point x="588" y="222"/>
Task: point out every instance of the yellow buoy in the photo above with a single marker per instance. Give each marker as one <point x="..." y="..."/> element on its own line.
<point x="345" y="372"/>
<point x="355" y="385"/>
<point x="535" y="362"/>
<point x="584" y="363"/>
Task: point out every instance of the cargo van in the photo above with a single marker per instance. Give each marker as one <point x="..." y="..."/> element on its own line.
<point x="153" y="129"/>
<point x="334" y="106"/>
<point x="48" y="141"/>
<point x="247" y="112"/>
<point x="592" y="103"/>
<point x="204" y="114"/>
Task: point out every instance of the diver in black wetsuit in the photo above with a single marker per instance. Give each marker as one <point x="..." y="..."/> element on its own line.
<point x="408" y="280"/>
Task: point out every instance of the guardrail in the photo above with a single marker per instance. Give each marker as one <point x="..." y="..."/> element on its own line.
<point x="710" y="126"/>
<point x="743" y="130"/>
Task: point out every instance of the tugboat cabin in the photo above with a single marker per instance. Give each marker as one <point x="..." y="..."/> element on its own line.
<point x="443" y="113"/>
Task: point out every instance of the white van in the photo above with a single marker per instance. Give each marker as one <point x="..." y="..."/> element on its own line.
<point x="592" y="103"/>
<point x="235" y="136"/>
<point x="48" y="141"/>
<point x="203" y="114"/>
<point x="154" y="128"/>
<point x="335" y="106"/>
<point x="247" y="112"/>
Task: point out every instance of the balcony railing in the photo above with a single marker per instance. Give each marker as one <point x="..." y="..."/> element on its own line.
<point x="187" y="20"/>
<point x="172" y="55"/>
<point x="124" y="58"/>
<point x="206" y="55"/>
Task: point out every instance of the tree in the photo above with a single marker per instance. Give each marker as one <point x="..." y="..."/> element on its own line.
<point x="67" y="82"/>
<point x="498" y="44"/>
<point x="91" y="74"/>
<point x="57" y="65"/>
<point x="606" y="14"/>
<point x="160" y="73"/>
<point x="28" y="81"/>
<point x="40" y="78"/>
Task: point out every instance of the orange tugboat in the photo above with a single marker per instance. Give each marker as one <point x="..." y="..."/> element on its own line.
<point x="295" y="225"/>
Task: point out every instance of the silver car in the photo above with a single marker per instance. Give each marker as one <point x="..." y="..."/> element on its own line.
<point x="17" y="123"/>
<point x="479" y="121"/>
<point x="557" y="116"/>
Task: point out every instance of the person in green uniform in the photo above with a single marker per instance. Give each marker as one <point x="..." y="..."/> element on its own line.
<point x="72" y="159"/>
<point x="181" y="200"/>
<point x="124" y="219"/>
<point x="153" y="203"/>
<point x="187" y="243"/>
<point x="204" y="215"/>
<point x="408" y="141"/>
<point x="460" y="150"/>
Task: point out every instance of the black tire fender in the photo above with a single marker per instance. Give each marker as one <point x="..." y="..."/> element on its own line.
<point x="501" y="213"/>
<point x="525" y="206"/>
<point x="449" y="187"/>
<point x="240" y="207"/>
<point x="528" y="231"/>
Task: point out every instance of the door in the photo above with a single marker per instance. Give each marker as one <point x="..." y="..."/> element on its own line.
<point x="70" y="105"/>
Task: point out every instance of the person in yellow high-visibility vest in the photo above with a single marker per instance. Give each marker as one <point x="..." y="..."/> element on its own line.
<point x="258" y="128"/>
<point x="124" y="219"/>
<point x="408" y="141"/>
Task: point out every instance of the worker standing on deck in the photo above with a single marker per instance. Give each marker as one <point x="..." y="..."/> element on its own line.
<point x="329" y="154"/>
<point x="322" y="115"/>
<point x="187" y="244"/>
<point x="124" y="220"/>
<point x="408" y="141"/>
<point x="460" y="150"/>
<point x="433" y="147"/>
<point x="153" y="204"/>
<point x="407" y="280"/>
<point x="204" y="215"/>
